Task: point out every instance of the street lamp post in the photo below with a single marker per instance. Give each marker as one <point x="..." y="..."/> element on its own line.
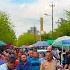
<point x="52" y="6"/>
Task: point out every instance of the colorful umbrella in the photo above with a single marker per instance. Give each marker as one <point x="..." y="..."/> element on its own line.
<point x="41" y="44"/>
<point x="62" y="42"/>
<point x="50" y="42"/>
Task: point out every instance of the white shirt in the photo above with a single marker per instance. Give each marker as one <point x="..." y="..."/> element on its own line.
<point x="3" y="66"/>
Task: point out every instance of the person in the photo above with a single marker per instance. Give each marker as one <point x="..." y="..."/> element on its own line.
<point x="35" y="61"/>
<point x="10" y="65"/>
<point x="19" y="57"/>
<point x="1" y="60"/>
<point x="54" y="52"/>
<point x="24" y="65"/>
<point x="42" y="57"/>
<point x="67" y="64"/>
<point x="64" y="58"/>
<point x="30" y="55"/>
<point x="49" y="64"/>
<point x="5" y="56"/>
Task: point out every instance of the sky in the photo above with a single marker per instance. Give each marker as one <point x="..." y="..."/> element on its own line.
<point x="26" y="13"/>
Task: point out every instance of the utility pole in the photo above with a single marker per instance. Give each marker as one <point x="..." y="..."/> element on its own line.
<point x="52" y="6"/>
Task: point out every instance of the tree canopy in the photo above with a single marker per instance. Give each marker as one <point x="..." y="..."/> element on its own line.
<point x="7" y="33"/>
<point x="26" y="39"/>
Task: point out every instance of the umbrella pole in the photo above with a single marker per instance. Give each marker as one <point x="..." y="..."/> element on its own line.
<point x="62" y="55"/>
<point x="62" y="49"/>
<point x="68" y="48"/>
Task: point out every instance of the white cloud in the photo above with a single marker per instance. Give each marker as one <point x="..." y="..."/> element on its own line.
<point x="26" y="15"/>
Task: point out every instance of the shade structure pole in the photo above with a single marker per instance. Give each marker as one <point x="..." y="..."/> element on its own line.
<point x="62" y="54"/>
<point x="62" y="49"/>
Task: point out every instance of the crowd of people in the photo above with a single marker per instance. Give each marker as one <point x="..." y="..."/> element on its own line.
<point x="16" y="59"/>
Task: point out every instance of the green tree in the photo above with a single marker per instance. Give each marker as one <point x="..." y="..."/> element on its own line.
<point x="63" y="27"/>
<point x="46" y="36"/>
<point x="7" y="33"/>
<point x="26" y="39"/>
<point x="68" y="15"/>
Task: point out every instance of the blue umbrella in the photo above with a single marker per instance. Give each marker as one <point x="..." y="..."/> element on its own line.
<point x="62" y="42"/>
<point x="40" y="44"/>
<point x="66" y="43"/>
